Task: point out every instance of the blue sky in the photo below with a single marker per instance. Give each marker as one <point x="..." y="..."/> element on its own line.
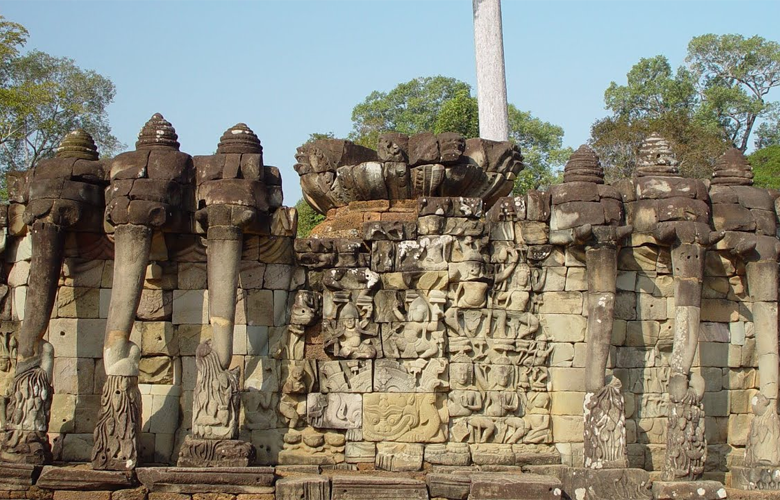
<point x="289" y="68"/>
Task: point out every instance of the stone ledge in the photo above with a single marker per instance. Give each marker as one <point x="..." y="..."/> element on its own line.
<point x="83" y="478"/>
<point x="600" y="484"/>
<point x="756" y="479"/>
<point x="688" y="490"/>
<point x="15" y="477"/>
<point x="231" y="480"/>
<point x="372" y="487"/>
<point x="501" y="486"/>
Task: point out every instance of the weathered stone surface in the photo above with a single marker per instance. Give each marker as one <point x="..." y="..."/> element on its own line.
<point x="384" y="417"/>
<point x="303" y="487"/>
<point x="83" y="479"/>
<point x="18" y="476"/>
<point x="370" y="487"/>
<point x="600" y="484"/>
<point x="454" y="486"/>
<point x="495" y="486"/>
<point x="756" y="478"/>
<point x="688" y="490"/>
<point x="399" y="457"/>
<point x="208" y="480"/>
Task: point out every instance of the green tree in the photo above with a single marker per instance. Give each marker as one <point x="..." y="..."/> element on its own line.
<point x="703" y="108"/>
<point x="768" y="132"/>
<point x="440" y="104"/>
<point x="766" y="167"/>
<point x="42" y="98"/>
<point x="409" y="108"/>
<point x="733" y="75"/>
<point x="307" y="218"/>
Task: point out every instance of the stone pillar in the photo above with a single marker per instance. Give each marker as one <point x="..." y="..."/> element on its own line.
<point x="675" y="211"/>
<point x="587" y="213"/>
<point x="491" y="78"/>
<point x="741" y="211"/>
<point x="146" y="187"/>
<point x="233" y="195"/>
<point x="51" y="210"/>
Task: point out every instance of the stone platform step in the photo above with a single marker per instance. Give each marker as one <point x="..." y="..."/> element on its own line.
<point x="689" y="490"/>
<point x="84" y="478"/>
<point x="582" y="483"/>
<point x="231" y="480"/>
<point x="16" y="477"/>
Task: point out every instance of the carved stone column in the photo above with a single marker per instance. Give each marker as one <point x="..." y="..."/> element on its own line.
<point x="146" y="190"/>
<point x="233" y="195"/>
<point x="747" y="215"/>
<point x="588" y="213"/>
<point x="61" y="191"/>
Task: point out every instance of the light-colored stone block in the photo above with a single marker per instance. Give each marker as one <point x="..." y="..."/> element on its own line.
<point x="562" y="354"/>
<point x="155" y="305"/>
<point x="561" y="303"/>
<point x="739" y="426"/>
<point x="567" y="403"/>
<point x="555" y="279"/>
<point x="19" y="274"/>
<point x="567" y="428"/>
<point x="261" y="373"/>
<point x="239" y="339"/>
<point x="260" y="307"/>
<point x="77" y="338"/>
<point x="192" y="276"/>
<point x="411" y="418"/>
<point x="74" y="375"/>
<point x="737" y="332"/>
<point x="576" y="279"/>
<point x="564" y="327"/>
<point x="567" y="379"/>
<point x="650" y="307"/>
<point x="642" y="333"/>
<point x="17" y="306"/>
<point x="78" y="302"/>
<point x="157" y="338"/>
<point x="190" y="307"/>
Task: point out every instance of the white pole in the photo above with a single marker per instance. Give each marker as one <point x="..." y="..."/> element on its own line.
<point x="491" y="79"/>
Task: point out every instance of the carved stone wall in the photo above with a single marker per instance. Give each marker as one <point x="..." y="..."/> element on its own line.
<point x="425" y="328"/>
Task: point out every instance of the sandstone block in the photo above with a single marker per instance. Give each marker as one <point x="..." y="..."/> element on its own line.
<point x="399" y="457"/>
<point x="564" y="327"/>
<point x="369" y="487"/>
<point x="190" y="307"/>
<point x="260" y="307"/>
<point x="192" y="276"/>
<point x="567" y="379"/>
<point x="561" y="303"/>
<point x="429" y="410"/>
<point x="157" y="338"/>
<point x="495" y="486"/>
<point x="155" y="305"/>
<point x="567" y="403"/>
<point x="77" y="338"/>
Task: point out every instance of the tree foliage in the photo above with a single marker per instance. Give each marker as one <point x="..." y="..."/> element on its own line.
<point x="766" y="167"/>
<point x="42" y="98"/>
<point x="703" y="108"/>
<point x="307" y="218"/>
<point x="440" y="104"/>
